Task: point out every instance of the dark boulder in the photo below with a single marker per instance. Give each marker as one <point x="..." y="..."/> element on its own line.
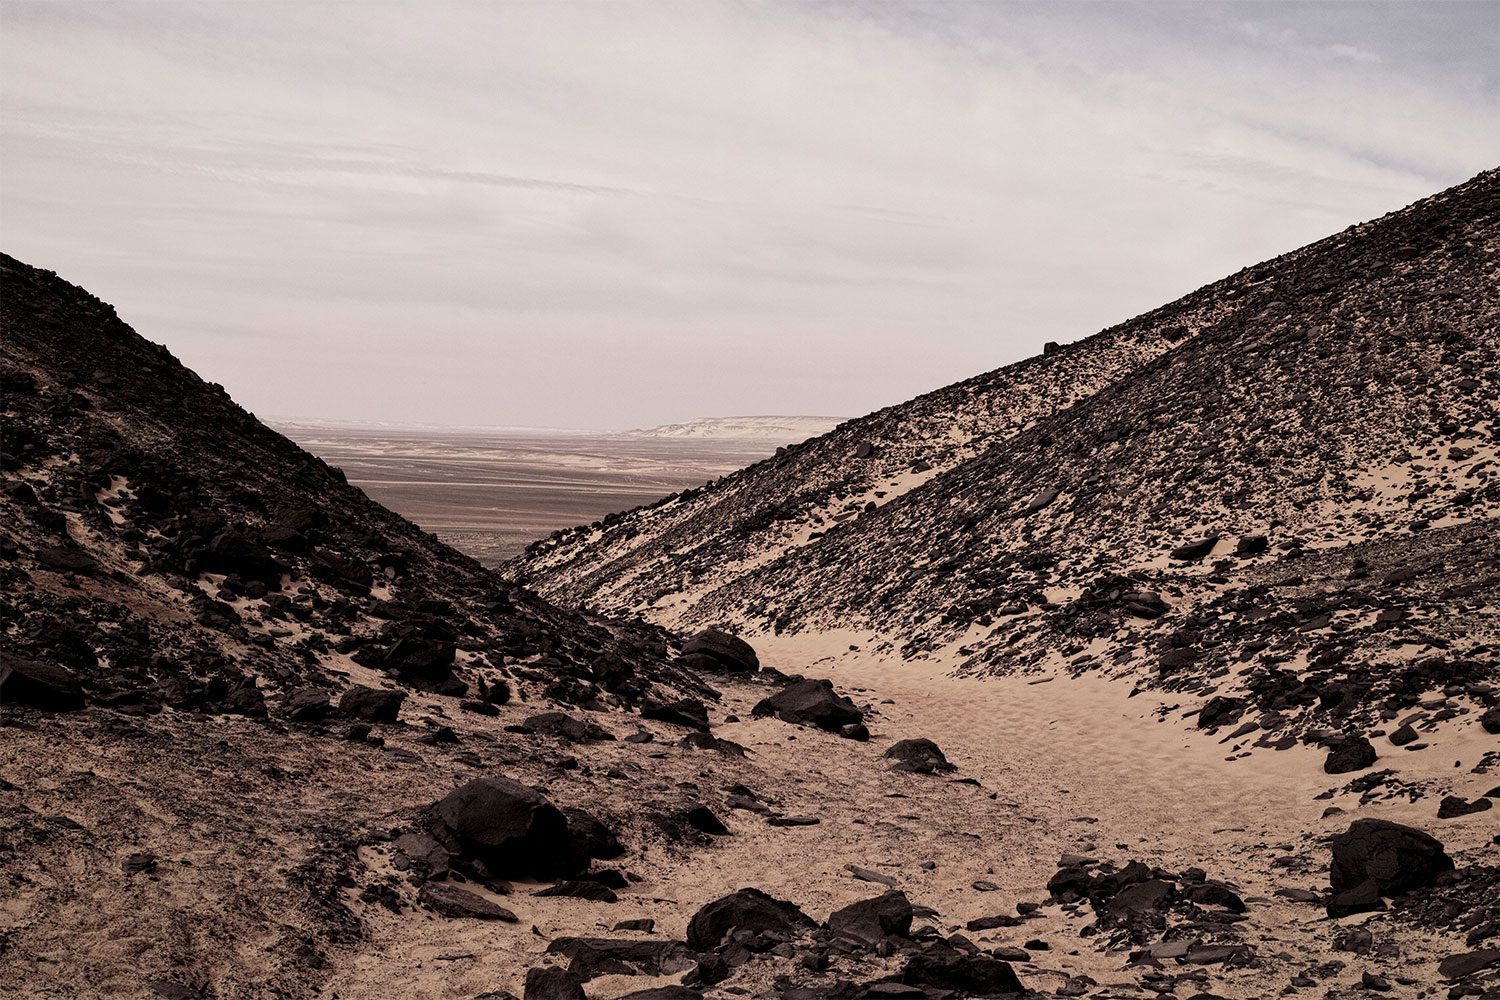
<point x="745" y="910"/>
<point x="1456" y="805"/>
<point x="568" y="727"/>
<point x="511" y="828"/>
<point x="664" y="993"/>
<point x="712" y="649"/>
<point x="590" y="836"/>
<point x="238" y="553"/>
<point x="66" y="559"/>
<point x="553" y="984"/>
<point x="689" y="712"/>
<point x="1351" y="753"/>
<point x="38" y="685"/>
<point x="306" y="704"/>
<point x="919" y="755"/>
<point x="1395" y="858"/>
<point x="1361" y="898"/>
<point x="1194" y="551"/>
<point x="371" y="704"/>
<point x="702" y="818"/>
<point x="592" y="957"/>
<point x="1251" y="545"/>
<point x="1221" y="711"/>
<point x="871" y="921"/>
<point x="451" y="901"/>
<point x="1403" y="735"/>
<point x="945" y="967"/>
<point x="810" y="703"/>
<point x="1490" y="720"/>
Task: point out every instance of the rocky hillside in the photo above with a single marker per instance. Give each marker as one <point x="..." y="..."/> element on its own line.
<point x="1289" y="475"/>
<point x="167" y="548"/>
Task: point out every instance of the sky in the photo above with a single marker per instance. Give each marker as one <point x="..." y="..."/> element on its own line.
<point x="608" y="215"/>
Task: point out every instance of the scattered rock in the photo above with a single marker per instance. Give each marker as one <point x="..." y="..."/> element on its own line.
<point x="371" y="704"/>
<point x="810" y="703"/>
<point x="451" y="901"/>
<point x="921" y="756"/>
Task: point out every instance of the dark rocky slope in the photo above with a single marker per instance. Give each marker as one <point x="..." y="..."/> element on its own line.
<point x="168" y="549"/>
<point x="1293" y="466"/>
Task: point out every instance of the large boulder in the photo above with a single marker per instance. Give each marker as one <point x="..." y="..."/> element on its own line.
<point x="1394" y="858"/>
<point x="747" y="910"/>
<point x="918" y="755"/>
<point x="871" y="921"/>
<point x="947" y="968"/>
<point x="371" y="704"/>
<point x="712" y="649"/>
<point x="1351" y="753"/>
<point x="568" y="727"/>
<point x="810" y="703"/>
<point x="689" y="712"/>
<point x="511" y="829"/>
<point x="37" y="684"/>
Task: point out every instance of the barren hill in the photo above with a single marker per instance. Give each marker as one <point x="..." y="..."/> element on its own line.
<point x="1295" y="464"/>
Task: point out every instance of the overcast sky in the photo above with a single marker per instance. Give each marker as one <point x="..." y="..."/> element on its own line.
<point x="611" y="215"/>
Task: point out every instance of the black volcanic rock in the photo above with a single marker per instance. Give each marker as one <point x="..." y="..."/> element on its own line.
<point x="1394" y="858"/>
<point x="1221" y="711"/>
<point x="944" y="967"/>
<point x="451" y="901"/>
<point x="509" y="827"/>
<point x="1352" y="753"/>
<point x="712" y="649"/>
<point x="810" y="702"/>
<point x="689" y="712"/>
<point x="371" y="704"/>
<point x="39" y="685"/>
<point x="745" y="910"/>
<point x="871" y="921"/>
<point x="921" y="756"/>
<point x="308" y="704"/>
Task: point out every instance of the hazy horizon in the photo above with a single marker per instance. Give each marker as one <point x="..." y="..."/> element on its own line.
<point x="617" y="216"/>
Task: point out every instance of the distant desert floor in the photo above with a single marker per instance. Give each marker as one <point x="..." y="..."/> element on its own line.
<point x="489" y="493"/>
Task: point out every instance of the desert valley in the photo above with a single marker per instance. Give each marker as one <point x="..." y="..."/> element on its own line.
<point x="1163" y="663"/>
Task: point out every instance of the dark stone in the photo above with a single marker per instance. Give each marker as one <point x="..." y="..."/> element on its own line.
<point x="1490" y="720"/>
<point x="451" y="901"/>
<point x="1251" y="545"/>
<point x="871" y="921"/>
<point x="1194" y="551"/>
<point x="66" y="559"/>
<point x="1352" y="753"/>
<point x="689" y="712"/>
<point x="1456" y="805"/>
<point x="1404" y="735"/>
<point x="722" y="651"/>
<point x="590" y="836"/>
<point x="1397" y="858"/>
<point x="1361" y="898"/>
<point x="553" y="984"/>
<point x="511" y="828"/>
<point x="38" y="685"/>
<point x="701" y="818"/>
<point x="947" y="968"/>
<point x="581" y="889"/>
<point x="592" y="957"/>
<point x="568" y="727"/>
<point x="307" y="704"/>
<point x="919" y="755"/>
<point x="745" y="910"/>
<point x="1466" y="964"/>
<point x="371" y="704"/>
<point x="811" y="703"/>
<point x="1221" y="711"/>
